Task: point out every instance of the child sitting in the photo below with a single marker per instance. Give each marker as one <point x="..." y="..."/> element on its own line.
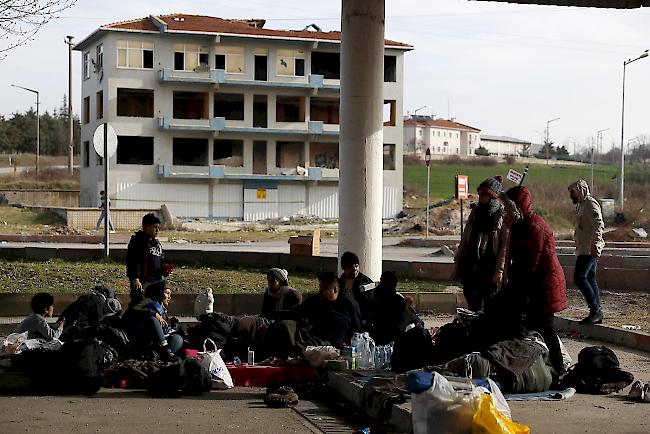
<point x="35" y="325"/>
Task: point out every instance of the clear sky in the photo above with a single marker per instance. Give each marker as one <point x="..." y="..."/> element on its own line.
<point x="505" y="69"/>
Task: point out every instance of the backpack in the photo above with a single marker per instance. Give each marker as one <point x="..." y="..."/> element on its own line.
<point x="172" y="380"/>
<point x="412" y="349"/>
<point x="597" y="372"/>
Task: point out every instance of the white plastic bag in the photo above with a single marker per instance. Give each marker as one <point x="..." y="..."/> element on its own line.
<point x="13" y="341"/>
<point x="204" y="303"/>
<point x="213" y="362"/>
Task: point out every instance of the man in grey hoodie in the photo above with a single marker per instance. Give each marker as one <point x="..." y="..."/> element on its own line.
<point x="589" y="246"/>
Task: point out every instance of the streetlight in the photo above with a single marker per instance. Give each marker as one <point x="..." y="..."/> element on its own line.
<point x="599" y="140"/>
<point x="622" y="174"/>
<point x="415" y="113"/>
<point x="69" y="40"/>
<point x="38" y="125"/>
<point x="548" y="146"/>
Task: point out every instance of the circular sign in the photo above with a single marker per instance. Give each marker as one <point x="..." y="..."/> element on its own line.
<point x="98" y="140"/>
<point x="427" y="156"/>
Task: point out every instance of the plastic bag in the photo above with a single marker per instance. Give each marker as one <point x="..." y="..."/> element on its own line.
<point x="213" y="362"/>
<point x="13" y="341"/>
<point x="442" y="410"/>
<point x="489" y="420"/>
<point x="316" y="356"/>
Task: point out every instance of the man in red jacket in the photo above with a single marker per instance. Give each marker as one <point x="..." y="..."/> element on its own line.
<point x="536" y="284"/>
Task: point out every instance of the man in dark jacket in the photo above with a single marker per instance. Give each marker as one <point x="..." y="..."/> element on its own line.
<point x="352" y="280"/>
<point x="536" y="286"/>
<point x="144" y="258"/>
<point x="279" y="297"/>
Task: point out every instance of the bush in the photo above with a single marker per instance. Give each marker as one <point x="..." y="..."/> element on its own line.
<point x="510" y="160"/>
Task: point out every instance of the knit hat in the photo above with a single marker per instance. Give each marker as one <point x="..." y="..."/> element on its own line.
<point x="349" y="259"/>
<point x="492" y="186"/>
<point x="280" y="275"/>
<point x="113" y="306"/>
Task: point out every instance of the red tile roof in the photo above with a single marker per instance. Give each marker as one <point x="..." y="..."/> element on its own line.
<point x="205" y="24"/>
<point x="438" y="123"/>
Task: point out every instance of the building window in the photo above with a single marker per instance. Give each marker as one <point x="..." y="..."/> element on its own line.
<point x="190" y="105"/>
<point x="326" y="64"/>
<point x="188" y="57"/>
<point x="228" y="153"/>
<point x="289" y="154"/>
<point x="438" y="133"/>
<point x="438" y="149"/>
<point x="290" y="109"/>
<point x="420" y="133"/>
<point x="86" y="62"/>
<point x="325" y="155"/>
<point x="390" y="113"/>
<point x="99" y="161"/>
<point x="86" y="154"/>
<point x="190" y="152"/>
<point x="135" y="150"/>
<point x="390" y="69"/>
<point x="135" y="102"/>
<point x="100" y="57"/>
<point x="291" y="63"/>
<point x="230" y="59"/>
<point x="229" y="106"/>
<point x="324" y="109"/>
<point x="99" y="103"/>
<point x="389" y="156"/>
<point x="135" y="54"/>
<point x="86" y="109"/>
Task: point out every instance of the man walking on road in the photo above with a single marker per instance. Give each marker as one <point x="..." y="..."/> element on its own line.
<point x="589" y="246"/>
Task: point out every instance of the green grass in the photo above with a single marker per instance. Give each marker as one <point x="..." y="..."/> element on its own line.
<point x="238" y="236"/>
<point x="57" y="276"/>
<point x="19" y="220"/>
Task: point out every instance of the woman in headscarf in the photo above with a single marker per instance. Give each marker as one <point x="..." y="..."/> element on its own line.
<point x="481" y="256"/>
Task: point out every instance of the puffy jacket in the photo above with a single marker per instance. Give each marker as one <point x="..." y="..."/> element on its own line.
<point x="138" y="264"/>
<point x="589" y="220"/>
<point x="535" y="271"/>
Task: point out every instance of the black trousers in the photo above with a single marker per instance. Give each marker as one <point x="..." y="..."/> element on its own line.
<point x="542" y="323"/>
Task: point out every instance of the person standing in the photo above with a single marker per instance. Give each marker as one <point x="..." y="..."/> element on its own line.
<point x="103" y="202"/>
<point x="481" y="256"/>
<point x="589" y="242"/>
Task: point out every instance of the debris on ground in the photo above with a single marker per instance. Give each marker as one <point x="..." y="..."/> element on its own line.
<point x="444" y="219"/>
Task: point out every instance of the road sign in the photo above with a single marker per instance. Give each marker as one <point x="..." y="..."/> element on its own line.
<point x="427" y="156"/>
<point x="462" y="187"/>
<point x="98" y="140"/>
<point x="515" y="176"/>
<point x="261" y="193"/>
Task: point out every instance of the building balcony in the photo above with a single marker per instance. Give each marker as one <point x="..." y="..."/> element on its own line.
<point x="219" y="78"/>
<point x="167" y="171"/>
<point x="219" y="125"/>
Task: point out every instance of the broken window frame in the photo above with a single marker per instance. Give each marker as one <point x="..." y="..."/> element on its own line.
<point x="336" y="74"/>
<point x="389" y="150"/>
<point x="301" y="109"/>
<point x="149" y="113"/>
<point x="289" y="57"/>
<point x="132" y="142"/>
<point x="236" y="151"/>
<point x="218" y="113"/>
<point x="127" y="54"/>
<point x="205" y="110"/>
<point x="185" y="143"/>
<point x="326" y="158"/>
<point x="192" y="52"/>
<point x="279" y="154"/>
<point x="86" y="65"/>
<point x="230" y="53"/>
<point x="392" y="120"/>
<point x="99" y="61"/>
<point x="333" y="103"/>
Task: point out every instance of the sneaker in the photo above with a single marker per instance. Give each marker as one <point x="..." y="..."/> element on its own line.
<point x="637" y="391"/>
<point x="646" y="393"/>
<point x="593" y="318"/>
<point x="112" y="232"/>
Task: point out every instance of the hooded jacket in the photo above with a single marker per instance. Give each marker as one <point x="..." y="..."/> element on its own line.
<point x="144" y="258"/>
<point x="589" y="220"/>
<point x="535" y="272"/>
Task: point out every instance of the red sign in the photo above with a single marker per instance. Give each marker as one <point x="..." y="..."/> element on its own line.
<point x="462" y="187"/>
<point x="427" y="156"/>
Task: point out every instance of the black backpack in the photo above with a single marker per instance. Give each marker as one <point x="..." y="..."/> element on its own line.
<point x="412" y="349"/>
<point x="597" y="372"/>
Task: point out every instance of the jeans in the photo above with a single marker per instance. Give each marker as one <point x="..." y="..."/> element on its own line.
<point x="584" y="277"/>
<point x="174" y="341"/>
<point x="102" y="217"/>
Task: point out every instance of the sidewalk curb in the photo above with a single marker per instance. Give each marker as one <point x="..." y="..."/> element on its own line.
<point x="601" y="332"/>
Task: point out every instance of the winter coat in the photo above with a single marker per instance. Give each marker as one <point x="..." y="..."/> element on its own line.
<point x="535" y="274"/>
<point x="144" y="258"/>
<point x="499" y="241"/>
<point x="284" y="300"/>
<point x="589" y="220"/>
<point x="332" y="321"/>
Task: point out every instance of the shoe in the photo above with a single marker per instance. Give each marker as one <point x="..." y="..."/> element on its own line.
<point x="593" y="318"/>
<point x="112" y="232"/>
<point x="646" y="392"/>
<point x="637" y="391"/>
<point x="282" y="397"/>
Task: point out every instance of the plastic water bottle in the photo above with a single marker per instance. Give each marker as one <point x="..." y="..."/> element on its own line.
<point x="389" y="356"/>
<point x="356" y="343"/>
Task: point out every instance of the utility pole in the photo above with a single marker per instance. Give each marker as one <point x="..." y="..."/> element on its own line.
<point x="547" y="144"/>
<point x="38" y="123"/>
<point x="69" y="41"/>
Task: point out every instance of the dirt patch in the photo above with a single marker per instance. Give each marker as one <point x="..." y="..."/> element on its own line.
<point x="444" y="219"/>
<point x="620" y="308"/>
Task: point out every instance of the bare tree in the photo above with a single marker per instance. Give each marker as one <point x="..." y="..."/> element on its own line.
<point x="20" y="20"/>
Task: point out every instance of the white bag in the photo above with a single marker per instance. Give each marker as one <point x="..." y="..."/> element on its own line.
<point x="213" y="362"/>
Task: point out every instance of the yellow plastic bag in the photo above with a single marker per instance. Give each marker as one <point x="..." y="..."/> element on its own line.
<point x="489" y="420"/>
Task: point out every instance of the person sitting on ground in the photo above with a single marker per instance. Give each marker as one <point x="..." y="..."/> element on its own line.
<point x="352" y="280"/>
<point x="148" y="321"/>
<point x="35" y="324"/>
<point x="279" y="297"/>
<point x="144" y="258"/>
<point x="390" y="312"/>
<point x="481" y="256"/>
<point x="536" y="286"/>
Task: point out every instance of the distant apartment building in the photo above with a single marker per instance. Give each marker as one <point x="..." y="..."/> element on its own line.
<point x="502" y="146"/>
<point x="224" y="118"/>
<point x="442" y="136"/>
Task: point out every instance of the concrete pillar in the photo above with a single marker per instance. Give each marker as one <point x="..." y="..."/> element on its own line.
<point x="361" y="132"/>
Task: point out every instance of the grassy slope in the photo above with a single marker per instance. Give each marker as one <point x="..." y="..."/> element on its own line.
<point x="62" y="276"/>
